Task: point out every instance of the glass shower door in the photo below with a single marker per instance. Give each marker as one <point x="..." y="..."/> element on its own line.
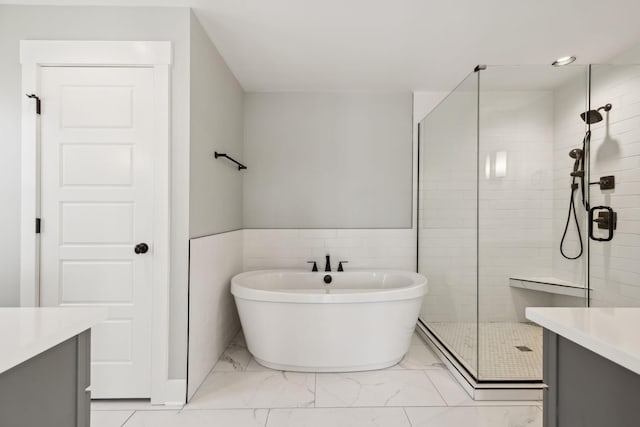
<point x="503" y="163"/>
<point x="447" y="231"/>
<point x="529" y="122"/>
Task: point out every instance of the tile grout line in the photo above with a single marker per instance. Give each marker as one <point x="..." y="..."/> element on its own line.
<point x="407" y="416"/>
<point x="446" y="404"/>
<point x="266" y="420"/>
<point x="500" y="403"/>
<point x="128" y="418"/>
<point x="315" y="389"/>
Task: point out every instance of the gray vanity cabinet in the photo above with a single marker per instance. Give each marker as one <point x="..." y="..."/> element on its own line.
<point x="50" y="389"/>
<point x="586" y="389"/>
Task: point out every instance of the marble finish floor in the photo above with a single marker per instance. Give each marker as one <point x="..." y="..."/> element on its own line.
<point x="418" y="392"/>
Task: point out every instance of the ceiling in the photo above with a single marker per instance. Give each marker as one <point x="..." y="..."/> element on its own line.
<point x="332" y="45"/>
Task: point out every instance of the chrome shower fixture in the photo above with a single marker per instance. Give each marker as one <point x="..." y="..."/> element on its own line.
<point x="593" y="116"/>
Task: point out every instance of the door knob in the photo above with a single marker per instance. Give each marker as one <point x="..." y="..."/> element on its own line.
<point x="141" y="248"/>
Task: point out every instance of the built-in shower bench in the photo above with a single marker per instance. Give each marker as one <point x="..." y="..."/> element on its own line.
<point x="550" y="285"/>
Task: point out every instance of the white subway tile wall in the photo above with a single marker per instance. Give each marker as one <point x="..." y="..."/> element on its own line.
<point x="569" y="131"/>
<point x="447" y="207"/>
<point x="515" y="197"/>
<point x="523" y="213"/>
<point x="362" y="248"/>
<point x="615" y="150"/>
<point x="514" y="205"/>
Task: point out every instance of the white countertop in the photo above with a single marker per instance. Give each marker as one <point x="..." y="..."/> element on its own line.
<point x="609" y="332"/>
<point x="27" y="332"/>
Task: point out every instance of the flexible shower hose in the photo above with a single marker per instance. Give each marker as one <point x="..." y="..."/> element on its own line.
<point x="572" y="207"/>
<point x="572" y="204"/>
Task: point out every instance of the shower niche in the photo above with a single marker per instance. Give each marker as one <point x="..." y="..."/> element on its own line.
<point x="506" y="162"/>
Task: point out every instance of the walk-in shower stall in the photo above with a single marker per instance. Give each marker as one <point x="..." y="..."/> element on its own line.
<point x="529" y="195"/>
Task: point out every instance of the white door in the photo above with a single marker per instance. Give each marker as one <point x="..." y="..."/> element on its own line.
<point x="96" y="206"/>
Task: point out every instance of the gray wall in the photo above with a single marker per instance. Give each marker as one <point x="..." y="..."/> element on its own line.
<point x="216" y="124"/>
<point x="328" y="160"/>
<point x="95" y="23"/>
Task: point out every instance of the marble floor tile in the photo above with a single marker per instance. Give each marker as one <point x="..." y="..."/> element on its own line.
<point x="130" y="405"/>
<point x="419" y="357"/>
<point x="338" y="417"/>
<point x="450" y="390"/>
<point x="239" y="339"/>
<point x="255" y="366"/>
<point x="205" y="418"/>
<point x="109" y="418"/>
<point x="453" y="393"/>
<point x="477" y="416"/>
<point x="270" y="389"/>
<point x="235" y="358"/>
<point x="417" y="340"/>
<point x="376" y="388"/>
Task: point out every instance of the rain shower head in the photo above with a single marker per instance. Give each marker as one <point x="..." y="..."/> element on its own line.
<point x="593" y="116"/>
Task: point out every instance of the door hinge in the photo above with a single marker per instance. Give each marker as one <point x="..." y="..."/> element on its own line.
<point x="38" y="106"/>
<point x="38" y="221"/>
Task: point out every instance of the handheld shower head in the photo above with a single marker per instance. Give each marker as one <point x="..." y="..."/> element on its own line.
<point x="576" y="154"/>
<point x="593" y="116"/>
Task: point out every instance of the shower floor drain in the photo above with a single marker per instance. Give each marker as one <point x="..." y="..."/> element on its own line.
<point x="523" y="348"/>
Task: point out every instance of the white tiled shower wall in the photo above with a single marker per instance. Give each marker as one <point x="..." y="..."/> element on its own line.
<point x="447" y="208"/>
<point x="514" y="210"/>
<point x="522" y="216"/>
<point x="615" y="150"/>
<point x="569" y="129"/>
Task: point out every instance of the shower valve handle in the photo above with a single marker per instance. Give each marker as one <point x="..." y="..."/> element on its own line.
<point x="606" y="220"/>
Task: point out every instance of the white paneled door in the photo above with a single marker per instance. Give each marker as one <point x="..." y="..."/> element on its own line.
<point x="97" y="184"/>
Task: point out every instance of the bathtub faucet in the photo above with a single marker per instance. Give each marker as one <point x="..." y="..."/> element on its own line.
<point x="327" y="266"/>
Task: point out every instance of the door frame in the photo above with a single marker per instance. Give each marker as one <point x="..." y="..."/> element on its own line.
<point x="35" y="54"/>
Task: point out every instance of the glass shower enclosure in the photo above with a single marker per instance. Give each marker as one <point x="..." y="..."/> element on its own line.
<point x="495" y="185"/>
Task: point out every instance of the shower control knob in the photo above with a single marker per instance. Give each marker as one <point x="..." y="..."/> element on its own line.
<point x="141" y="248"/>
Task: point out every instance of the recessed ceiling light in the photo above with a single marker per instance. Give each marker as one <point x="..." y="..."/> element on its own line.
<point x="565" y="60"/>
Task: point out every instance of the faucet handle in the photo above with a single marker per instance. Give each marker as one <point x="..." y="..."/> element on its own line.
<point x="340" y="265"/>
<point x="315" y="266"/>
<point x="327" y="266"/>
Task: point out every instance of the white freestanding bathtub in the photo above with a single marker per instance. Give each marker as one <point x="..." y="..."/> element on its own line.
<point x="293" y="320"/>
